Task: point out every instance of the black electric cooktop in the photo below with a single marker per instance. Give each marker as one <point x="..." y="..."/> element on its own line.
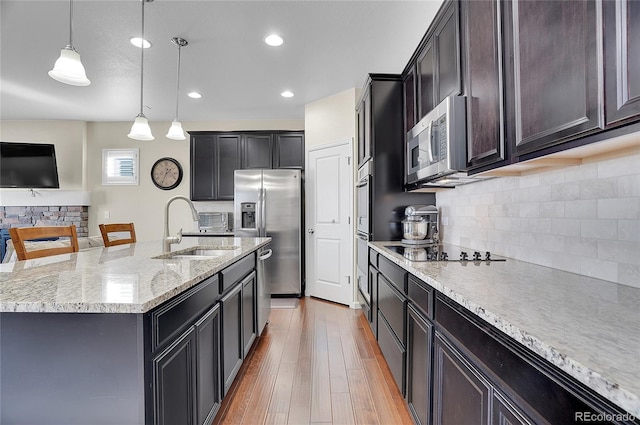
<point x="443" y="253"/>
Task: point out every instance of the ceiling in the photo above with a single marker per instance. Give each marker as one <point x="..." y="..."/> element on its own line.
<point x="329" y="47"/>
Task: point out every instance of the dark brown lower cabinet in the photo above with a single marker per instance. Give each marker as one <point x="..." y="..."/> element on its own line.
<point x="419" y="359"/>
<point x="504" y="413"/>
<point x="231" y="329"/>
<point x="461" y="395"/>
<point x="249" y="319"/>
<point x="208" y="393"/>
<point x="392" y="350"/>
<point x="174" y="382"/>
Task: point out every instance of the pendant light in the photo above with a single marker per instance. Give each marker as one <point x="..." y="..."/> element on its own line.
<point x="140" y="129"/>
<point x="68" y="68"/>
<point x="175" y="131"/>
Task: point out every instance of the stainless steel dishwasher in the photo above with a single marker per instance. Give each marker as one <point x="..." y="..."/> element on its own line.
<point x="264" y="294"/>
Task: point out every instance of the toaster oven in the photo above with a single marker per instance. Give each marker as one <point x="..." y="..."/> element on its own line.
<point x="215" y="222"/>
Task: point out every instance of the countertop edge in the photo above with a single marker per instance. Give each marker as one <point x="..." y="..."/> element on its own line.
<point x="592" y="379"/>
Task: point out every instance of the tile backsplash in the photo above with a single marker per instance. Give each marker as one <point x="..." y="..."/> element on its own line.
<point x="583" y="219"/>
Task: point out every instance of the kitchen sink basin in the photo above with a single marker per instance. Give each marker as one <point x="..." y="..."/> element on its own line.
<point x="200" y="253"/>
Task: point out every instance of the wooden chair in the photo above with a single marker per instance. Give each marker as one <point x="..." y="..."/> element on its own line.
<point x="21" y="234"/>
<point x="105" y="229"/>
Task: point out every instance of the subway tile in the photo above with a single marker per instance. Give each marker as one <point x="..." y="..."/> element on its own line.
<point x="599" y="229"/>
<point x="581" y="209"/>
<point x="565" y="192"/>
<point x="619" y="208"/>
<point x="597" y="189"/>
<point x="629" y="186"/>
<point x="582" y="247"/>
<point x="530" y="209"/>
<point x="581" y="172"/>
<point x="550" y="243"/>
<point x="567" y="262"/>
<point x="629" y="274"/>
<point x="619" y="251"/>
<point x="619" y="166"/>
<point x="554" y="209"/>
<point x="530" y="180"/>
<point x="539" y="194"/>
<point x="565" y="227"/>
<point x="629" y="230"/>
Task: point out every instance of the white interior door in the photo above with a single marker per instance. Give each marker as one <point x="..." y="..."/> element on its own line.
<point x="329" y="183"/>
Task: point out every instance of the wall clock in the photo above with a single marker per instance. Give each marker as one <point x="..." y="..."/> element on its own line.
<point x="166" y="173"/>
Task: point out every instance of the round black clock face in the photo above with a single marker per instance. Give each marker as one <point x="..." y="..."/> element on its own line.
<point x="166" y="173"/>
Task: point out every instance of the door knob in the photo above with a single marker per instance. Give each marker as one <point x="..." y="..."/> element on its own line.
<point x="310" y="231"/>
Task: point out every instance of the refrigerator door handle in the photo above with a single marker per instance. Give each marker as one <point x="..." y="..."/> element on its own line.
<point x="267" y="254"/>
<point x="263" y="214"/>
<point x="259" y="214"/>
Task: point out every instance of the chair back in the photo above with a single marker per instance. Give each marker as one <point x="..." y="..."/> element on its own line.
<point x="21" y="234"/>
<point x="105" y="229"/>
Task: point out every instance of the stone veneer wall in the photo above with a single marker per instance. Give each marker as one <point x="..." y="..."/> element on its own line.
<point x="583" y="219"/>
<point x="46" y="216"/>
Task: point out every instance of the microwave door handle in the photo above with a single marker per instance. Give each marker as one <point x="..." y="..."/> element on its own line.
<point x="430" y="136"/>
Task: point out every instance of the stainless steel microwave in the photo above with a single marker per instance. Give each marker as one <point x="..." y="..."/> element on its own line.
<point x="437" y="145"/>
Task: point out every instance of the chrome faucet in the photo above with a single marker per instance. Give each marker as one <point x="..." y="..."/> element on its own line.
<point x="168" y="240"/>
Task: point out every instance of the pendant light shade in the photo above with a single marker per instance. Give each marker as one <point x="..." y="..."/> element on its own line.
<point x="140" y="129"/>
<point x="68" y="68"/>
<point x="175" y="131"/>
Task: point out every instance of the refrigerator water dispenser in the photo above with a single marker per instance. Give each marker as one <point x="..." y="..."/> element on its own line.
<point x="248" y="215"/>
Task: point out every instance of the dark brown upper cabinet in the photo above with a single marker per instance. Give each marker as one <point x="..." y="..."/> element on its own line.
<point x="256" y="151"/>
<point x="363" y="112"/>
<point x="434" y="71"/>
<point x="483" y="82"/>
<point x="288" y="150"/>
<point x="553" y="80"/>
<point x="214" y="158"/>
<point x="622" y="67"/>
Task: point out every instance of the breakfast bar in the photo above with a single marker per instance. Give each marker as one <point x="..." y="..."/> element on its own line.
<point x="126" y="334"/>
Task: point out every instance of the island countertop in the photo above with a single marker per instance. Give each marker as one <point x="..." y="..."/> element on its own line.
<point x="118" y="279"/>
<point x="587" y="327"/>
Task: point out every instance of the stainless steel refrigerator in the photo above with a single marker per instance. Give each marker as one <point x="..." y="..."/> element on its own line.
<point x="269" y="203"/>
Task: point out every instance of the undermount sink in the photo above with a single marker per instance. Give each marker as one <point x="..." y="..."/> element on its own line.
<point x="200" y="253"/>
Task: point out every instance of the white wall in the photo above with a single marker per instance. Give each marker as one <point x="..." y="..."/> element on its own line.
<point x="583" y="219"/>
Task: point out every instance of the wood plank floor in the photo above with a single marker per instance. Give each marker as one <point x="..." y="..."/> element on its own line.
<point x="315" y="364"/>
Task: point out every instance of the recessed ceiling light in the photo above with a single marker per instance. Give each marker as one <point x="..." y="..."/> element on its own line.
<point x="194" y="95"/>
<point x="274" y="40"/>
<point x="138" y="42"/>
<point x="286" y="94"/>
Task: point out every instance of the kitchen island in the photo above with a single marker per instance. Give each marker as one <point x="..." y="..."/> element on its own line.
<point x="119" y="334"/>
<point x="581" y="331"/>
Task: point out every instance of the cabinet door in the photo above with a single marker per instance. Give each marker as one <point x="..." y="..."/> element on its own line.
<point x="208" y="395"/>
<point x="622" y="50"/>
<point x="256" y="151"/>
<point x="460" y="394"/>
<point x="483" y="82"/>
<point x="231" y="329"/>
<point x="174" y="382"/>
<point x="393" y="351"/>
<point x="364" y="127"/>
<point x="505" y="413"/>
<point x="373" y="295"/>
<point x="410" y="100"/>
<point x="419" y="355"/>
<point x="555" y="79"/>
<point x="249" y="306"/>
<point x="447" y="41"/>
<point x="288" y="150"/>
<point x="227" y="161"/>
<point x="202" y="167"/>
<point x="392" y="304"/>
<point x="426" y="80"/>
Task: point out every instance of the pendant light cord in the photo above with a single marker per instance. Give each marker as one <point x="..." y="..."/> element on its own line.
<point x="178" y="79"/>
<point x="71" y="23"/>
<point x="142" y="61"/>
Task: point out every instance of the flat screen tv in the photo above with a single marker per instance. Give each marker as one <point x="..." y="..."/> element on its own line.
<point x="28" y="165"/>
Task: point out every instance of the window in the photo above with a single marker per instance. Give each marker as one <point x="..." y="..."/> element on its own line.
<point x="120" y="166"/>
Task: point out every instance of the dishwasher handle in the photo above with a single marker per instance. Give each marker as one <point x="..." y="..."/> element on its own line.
<point x="267" y="254"/>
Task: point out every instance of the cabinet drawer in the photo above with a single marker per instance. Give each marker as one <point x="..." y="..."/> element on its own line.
<point x="168" y="320"/>
<point x="366" y="309"/>
<point x="421" y="295"/>
<point x="373" y="257"/>
<point x="236" y="271"/>
<point x="392" y="304"/>
<point x="392" y="350"/>
<point x="394" y="273"/>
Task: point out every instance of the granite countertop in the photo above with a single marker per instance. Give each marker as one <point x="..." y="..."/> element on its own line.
<point x="587" y="327"/>
<point x="117" y="279"/>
